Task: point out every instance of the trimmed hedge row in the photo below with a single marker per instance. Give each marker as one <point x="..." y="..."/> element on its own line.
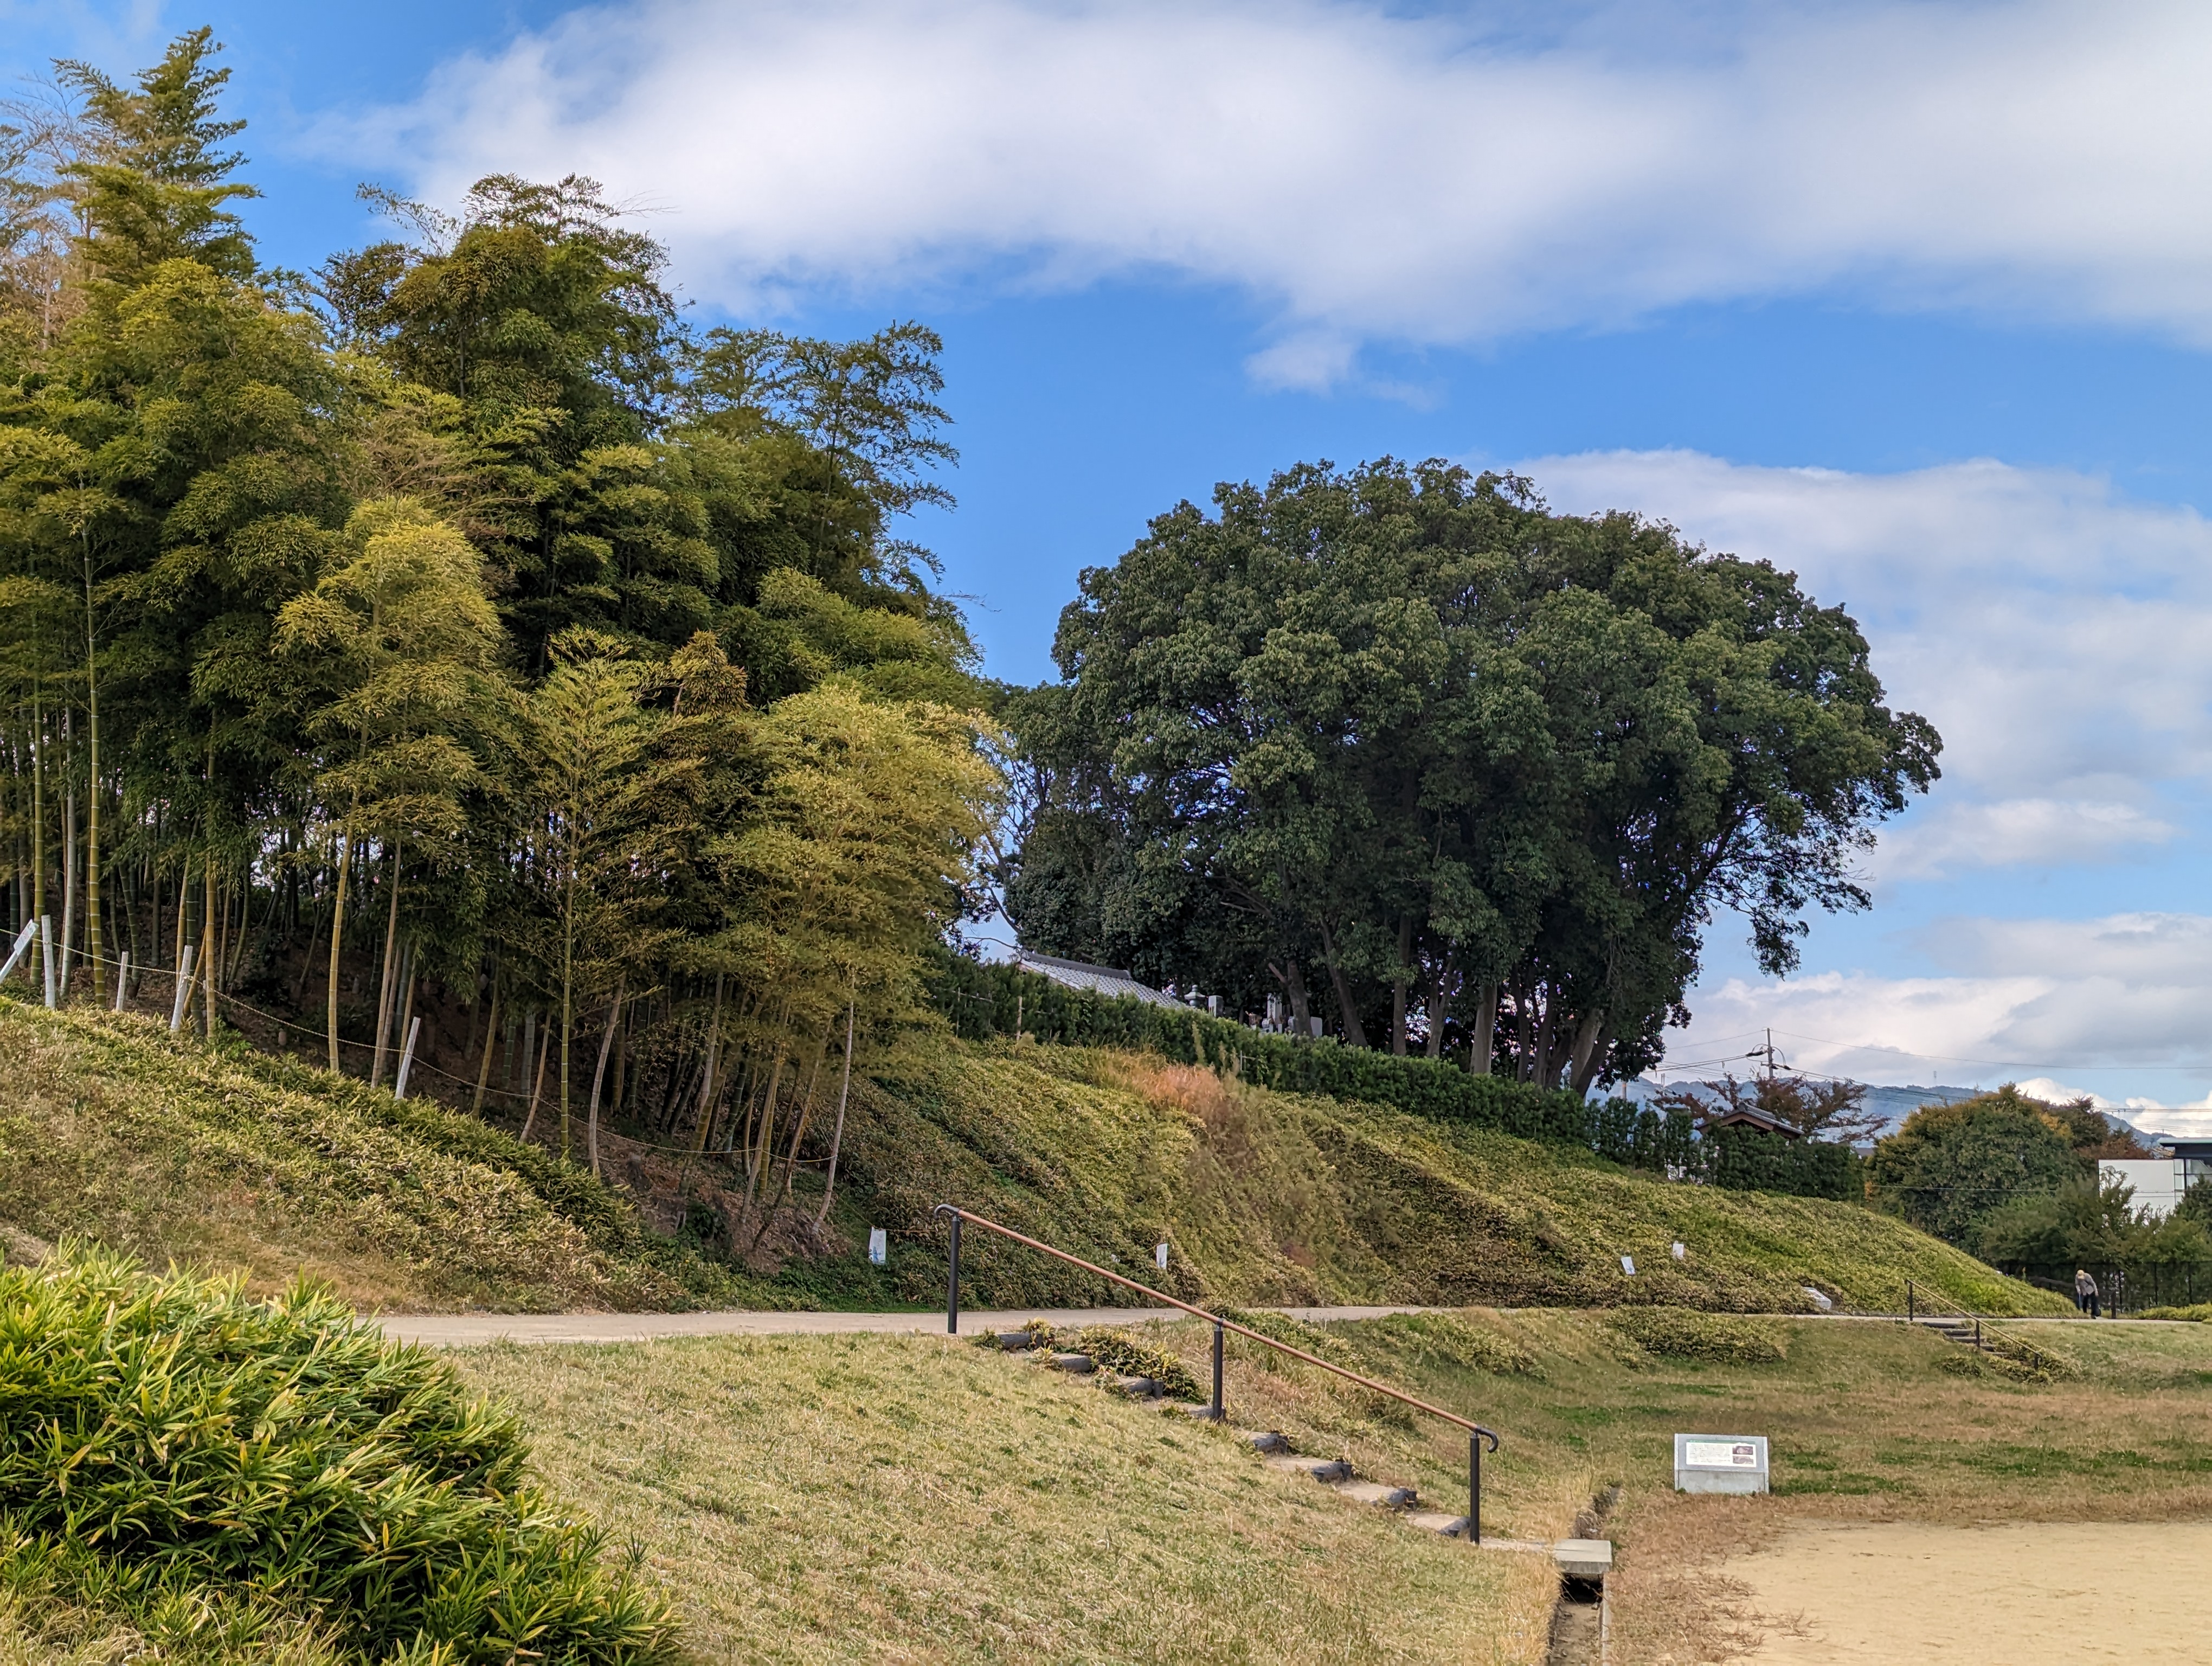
<point x="983" y="1001"/>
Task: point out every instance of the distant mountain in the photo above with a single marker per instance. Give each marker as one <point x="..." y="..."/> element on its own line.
<point x="1894" y="1103"/>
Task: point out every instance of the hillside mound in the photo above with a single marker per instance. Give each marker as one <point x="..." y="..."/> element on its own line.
<point x="1271" y="1198"/>
<point x="172" y="1150"/>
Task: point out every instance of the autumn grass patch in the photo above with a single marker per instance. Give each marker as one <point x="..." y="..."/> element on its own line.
<point x="880" y="1498"/>
<point x="1271" y="1199"/>
<point x="170" y="1150"/>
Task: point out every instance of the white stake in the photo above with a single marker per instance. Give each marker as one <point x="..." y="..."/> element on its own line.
<point x="183" y="990"/>
<point x="46" y="946"/>
<point x="407" y="1057"/>
<point x="24" y="939"/>
<point x="122" y="978"/>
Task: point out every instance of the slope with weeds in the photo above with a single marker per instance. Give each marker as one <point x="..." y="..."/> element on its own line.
<point x="1267" y="1197"/>
<point x="168" y="1149"/>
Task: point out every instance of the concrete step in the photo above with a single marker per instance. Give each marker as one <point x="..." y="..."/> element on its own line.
<point x="1435" y="1521"/>
<point x="1324" y="1469"/>
<point x="1081" y="1364"/>
<point x="1374" y="1493"/>
<point x="1137" y="1388"/>
<point x="1267" y="1440"/>
<point x="1016" y="1341"/>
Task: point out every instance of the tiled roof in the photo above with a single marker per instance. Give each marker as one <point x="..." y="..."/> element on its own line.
<point x="1102" y="980"/>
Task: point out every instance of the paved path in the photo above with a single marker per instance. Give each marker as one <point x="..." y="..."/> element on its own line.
<point x="472" y="1329"/>
<point x="469" y="1329"/>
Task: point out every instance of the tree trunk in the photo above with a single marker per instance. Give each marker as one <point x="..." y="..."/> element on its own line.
<point x="491" y="1041"/>
<point x="337" y="938"/>
<point x="1482" y="1051"/>
<point x="1590" y="1048"/>
<point x="1354" y="1033"/>
<point x="1439" y="990"/>
<point x="606" y="1044"/>
<point x="208" y="919"/>
<point x="767" y="1124"/>
<point x="1294" y="981"/>
<point x="68" y="879"/>
<point x="837" y="1134"/>
<point x="385" y="986"/>
<point x="91" y="922"/>
<point x="1524" y="1066"/>
<point x="1402" y="977"/>
<point x="707" y="1085"/>
<point x="538" y="1089"/>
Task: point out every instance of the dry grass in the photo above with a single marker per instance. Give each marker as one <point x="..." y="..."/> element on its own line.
<point x="904" y="1499"/>
<point x="1271" y="1198"/>
<point x="162" y="1147"/>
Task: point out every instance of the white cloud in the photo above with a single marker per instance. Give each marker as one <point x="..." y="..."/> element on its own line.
<point x="1424" y="177"/>
<point x="2036" y="999"/>
<point x="2057" y="635"/>
<point x="2039" y="831"/>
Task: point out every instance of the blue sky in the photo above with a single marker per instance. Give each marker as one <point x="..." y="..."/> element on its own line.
<point x="1915" y="300"/>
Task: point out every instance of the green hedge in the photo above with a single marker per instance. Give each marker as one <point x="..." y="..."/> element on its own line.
<point x="985" y="1000"/>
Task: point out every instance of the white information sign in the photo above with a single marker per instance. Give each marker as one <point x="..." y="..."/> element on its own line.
<point x="1722" y="1454"/>
<point x="878" y="1245"/>
<point x="1720" y="1464"/>
<point x="1160" y="1256"/>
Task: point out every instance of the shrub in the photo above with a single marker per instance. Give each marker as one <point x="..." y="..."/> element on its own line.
<point x="281" y="1456"/>
<point x="1457" y="1342"/>
<point x="1682" y="1332"/>
<point x="1116" y="1350"/>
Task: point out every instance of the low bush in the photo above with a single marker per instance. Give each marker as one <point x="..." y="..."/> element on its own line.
<point x="1116" y="1350"/>
<point x="1453" y="1340"/>
<point x="1682" y="1332"/>
<point x="193" y="1447"/>
<point x="2197" y="1312"/>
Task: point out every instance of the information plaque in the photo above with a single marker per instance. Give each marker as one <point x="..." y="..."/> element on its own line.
<point x="1720" y="1464"/>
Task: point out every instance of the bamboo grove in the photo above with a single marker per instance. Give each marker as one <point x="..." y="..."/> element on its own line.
<point x="455" y="642"/>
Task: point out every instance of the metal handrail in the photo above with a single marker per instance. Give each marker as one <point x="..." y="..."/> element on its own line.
<point x="1916" y="1298"/>
<point x="1476" y="1432"/>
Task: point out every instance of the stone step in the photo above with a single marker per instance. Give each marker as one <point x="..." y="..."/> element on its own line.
<point x="1324" y="1469"/>
<point x="1016" y="1341"/>
<point x="1138" y="1387"/>
<point x="1435" y="1521"/>
<point x="1584" y="1558"/>
<point x="1081" y="1364"/>
<point x="1268" y="1440"/>
<point x="1374" y="1493"/>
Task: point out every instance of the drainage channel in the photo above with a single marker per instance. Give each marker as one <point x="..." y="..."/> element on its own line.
<point x="1580" y="1618"/>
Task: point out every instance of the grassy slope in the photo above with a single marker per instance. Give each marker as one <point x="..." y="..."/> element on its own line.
<point x="907" y="1498"/>
<point x="164" y="1148"/>
<point x="111" y="1129"/>
<point x="895" y="1499"/>
<point x="1270" y="1198"/>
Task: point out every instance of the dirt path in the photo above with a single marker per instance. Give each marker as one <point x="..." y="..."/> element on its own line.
<point x="470" y="1330"/>
<point x="2027" y="1594"/>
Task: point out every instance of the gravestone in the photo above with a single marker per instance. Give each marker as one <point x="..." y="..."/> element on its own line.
<point x="1720" y="1464"/>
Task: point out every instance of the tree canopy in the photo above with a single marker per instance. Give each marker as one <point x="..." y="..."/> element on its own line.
<point x="461" y="629"/>
<point x="1402" y="745"/>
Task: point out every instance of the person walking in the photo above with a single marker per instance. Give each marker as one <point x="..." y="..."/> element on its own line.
<point x="2085" y="1292"/>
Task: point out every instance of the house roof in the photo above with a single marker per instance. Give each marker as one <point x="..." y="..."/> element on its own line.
<point x="1100" y="979"/>
<point x="1745" y="1117"/>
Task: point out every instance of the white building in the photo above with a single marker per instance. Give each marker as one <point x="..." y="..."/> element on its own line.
<point x="2161" y="1180"/>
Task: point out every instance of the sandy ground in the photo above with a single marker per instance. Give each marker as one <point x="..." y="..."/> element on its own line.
<point x="2029" y="1594"/>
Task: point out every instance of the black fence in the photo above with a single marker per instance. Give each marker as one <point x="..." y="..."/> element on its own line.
<point x="2124" y="1288"/>
<point x="985" y="1000"/>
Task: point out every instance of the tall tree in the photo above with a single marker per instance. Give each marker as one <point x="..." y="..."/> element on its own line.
<point x="1404" y="731"/>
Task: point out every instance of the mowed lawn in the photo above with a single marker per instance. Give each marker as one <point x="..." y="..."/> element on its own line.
<point x="904" y="1498"/>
